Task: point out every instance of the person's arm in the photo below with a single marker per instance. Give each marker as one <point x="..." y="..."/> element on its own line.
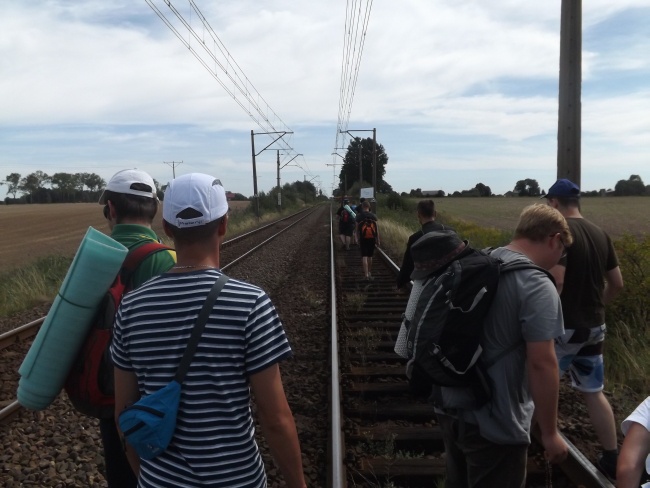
<point x="613" y="284"/>
<point x="631" y="459"/>
<point x="278" y="425"/>
<point x="544" y="383"/>
<point x="126" y="393"/>
<point x="558" y="272"/>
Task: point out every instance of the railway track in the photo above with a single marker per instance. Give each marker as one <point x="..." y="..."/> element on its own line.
<point x="391" y="437"/>
<point x="377" y="433"/>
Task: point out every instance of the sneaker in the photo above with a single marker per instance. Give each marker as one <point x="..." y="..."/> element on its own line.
<point x="607" y="467"/>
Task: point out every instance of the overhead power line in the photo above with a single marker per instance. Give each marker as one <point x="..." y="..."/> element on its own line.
<point x="217" y="60"/>
<point x="357" y="17"/>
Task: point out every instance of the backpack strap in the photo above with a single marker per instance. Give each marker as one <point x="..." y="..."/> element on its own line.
<point x="514" y="266"/>
<point x="136" y="256"/>
<point x="197" y="330"/>
<point x="517" y="265"/>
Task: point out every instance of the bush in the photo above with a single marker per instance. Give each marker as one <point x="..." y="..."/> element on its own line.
<point x="396" y="202"/>
<point x="627" y="354"/>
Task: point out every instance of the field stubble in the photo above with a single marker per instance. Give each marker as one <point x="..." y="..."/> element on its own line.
<point x="616" y="215"/>
<point x="30" y="232"/>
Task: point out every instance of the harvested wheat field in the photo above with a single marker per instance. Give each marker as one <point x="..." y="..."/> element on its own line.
<point x="616" y="215"/>
<point x="32" y="231"/>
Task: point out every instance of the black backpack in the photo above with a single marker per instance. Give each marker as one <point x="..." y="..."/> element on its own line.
<point x="443" y="338"/>
<point x="89" y="383"/>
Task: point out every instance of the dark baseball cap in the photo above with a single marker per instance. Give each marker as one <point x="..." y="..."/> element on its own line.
<point x="563" y="188"/>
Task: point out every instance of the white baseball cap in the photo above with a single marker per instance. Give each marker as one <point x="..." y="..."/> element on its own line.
<point x="130" y="181"/>
<point x="196" y="191"/>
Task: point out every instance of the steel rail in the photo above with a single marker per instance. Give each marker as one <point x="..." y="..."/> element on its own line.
<point x="20" y="333"/>
<point x="337" y="474"/>
<point x="313" y="209"/>
<point x="9" y="411"/>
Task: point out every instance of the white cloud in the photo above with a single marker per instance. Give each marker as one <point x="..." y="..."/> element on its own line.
<point x="469" y="85"/>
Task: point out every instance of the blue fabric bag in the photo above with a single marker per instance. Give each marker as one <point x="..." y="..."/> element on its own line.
<point x="148" y="425"/>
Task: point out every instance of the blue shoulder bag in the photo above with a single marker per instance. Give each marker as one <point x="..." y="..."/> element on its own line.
<point x="148" y="425"/>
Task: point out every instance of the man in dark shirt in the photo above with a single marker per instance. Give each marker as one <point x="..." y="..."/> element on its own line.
<point x="587" y="279"/>
<point x="426" y="211"/>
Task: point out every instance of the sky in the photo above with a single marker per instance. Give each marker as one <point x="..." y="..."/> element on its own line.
<point x="459" y="91"/>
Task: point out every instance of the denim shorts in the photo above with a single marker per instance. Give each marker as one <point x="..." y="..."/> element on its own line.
<point x="580" y="352"/>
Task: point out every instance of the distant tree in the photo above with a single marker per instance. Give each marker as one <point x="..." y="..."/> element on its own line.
<point x="32" y="183"/>
<point x="13" y="183"/>
<point x="384" y="187"/>
<point x="632" y="186"/>
<point x="93" y="181"/>
<point x="417" y="193"/>
<point x="350" y="169"/>
<point x="483" y="190"/>
<point x="527" y="188"/>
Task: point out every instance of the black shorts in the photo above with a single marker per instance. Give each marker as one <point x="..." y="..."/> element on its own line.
<point x="346" y="229"/>
<point x="367" y="247"/>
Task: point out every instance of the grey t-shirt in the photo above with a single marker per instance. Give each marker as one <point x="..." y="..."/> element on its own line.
<point x="526" y="308"/>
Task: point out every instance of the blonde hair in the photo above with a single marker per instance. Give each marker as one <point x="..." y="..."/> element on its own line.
<point x="539" y="221"/>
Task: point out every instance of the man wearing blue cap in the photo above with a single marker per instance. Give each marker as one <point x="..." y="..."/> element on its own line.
<point x="587" y="279"/>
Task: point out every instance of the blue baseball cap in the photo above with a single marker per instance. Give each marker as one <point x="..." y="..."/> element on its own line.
<point x="563" y="188"/>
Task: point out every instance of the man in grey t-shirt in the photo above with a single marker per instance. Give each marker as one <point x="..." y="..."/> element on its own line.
<point x="488" y="446"/>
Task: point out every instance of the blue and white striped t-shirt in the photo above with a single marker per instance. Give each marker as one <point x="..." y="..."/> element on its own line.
<point x="214" y="442"/>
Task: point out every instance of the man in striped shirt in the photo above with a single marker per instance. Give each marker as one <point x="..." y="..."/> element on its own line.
<point x="239" y="351"/>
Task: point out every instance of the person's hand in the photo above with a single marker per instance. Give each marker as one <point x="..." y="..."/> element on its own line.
<point x="555" y="449"/>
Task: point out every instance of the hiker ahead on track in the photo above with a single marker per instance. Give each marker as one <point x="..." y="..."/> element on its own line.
<point x="488" y="445"/>
<point x="238" y="354"/>
<point x="426" y="214"/>
<point x="347" y="223"/>
<point x="587" y="280"/>
<point x="368" y="232"/>
<point x="130" y="205"/>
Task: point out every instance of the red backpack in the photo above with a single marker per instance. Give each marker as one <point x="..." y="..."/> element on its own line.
<point x="89" y="384"/>
<point x="368" y="229"/>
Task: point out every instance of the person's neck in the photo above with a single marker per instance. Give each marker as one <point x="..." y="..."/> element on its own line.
<point x="127" y="221"/>
<point x="571" y="213"/>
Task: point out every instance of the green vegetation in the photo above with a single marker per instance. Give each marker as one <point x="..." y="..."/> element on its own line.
<point x="32" y="285"/>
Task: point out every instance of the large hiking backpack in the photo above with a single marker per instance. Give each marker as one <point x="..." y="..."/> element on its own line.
<point x="442" y="339"/>
<point x="345" y="216"/>
<point x="368" y="229"/>
<point x="89" y="384"/>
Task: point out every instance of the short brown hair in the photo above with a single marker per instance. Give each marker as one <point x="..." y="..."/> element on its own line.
<point x="132" y="206"/>
<point x="426" y="208"/>
<point x="188" y="235"/>
<point x="539" y="221"/>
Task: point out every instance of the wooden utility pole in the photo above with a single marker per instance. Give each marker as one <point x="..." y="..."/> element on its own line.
<point x="569" y="113"/>
<point x="374" y="163"/>
<point x="173" y="164"/>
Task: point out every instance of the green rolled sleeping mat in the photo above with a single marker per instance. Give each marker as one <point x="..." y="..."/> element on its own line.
<point x="48" y="361"/>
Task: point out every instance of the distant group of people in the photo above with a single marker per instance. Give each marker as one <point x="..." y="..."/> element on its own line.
<point x="359" y="226"/>
<point x="560" y="328"/>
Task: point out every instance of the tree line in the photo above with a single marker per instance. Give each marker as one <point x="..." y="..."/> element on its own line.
<point x="64" y="187"/>
<point x="529" y="187"/>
